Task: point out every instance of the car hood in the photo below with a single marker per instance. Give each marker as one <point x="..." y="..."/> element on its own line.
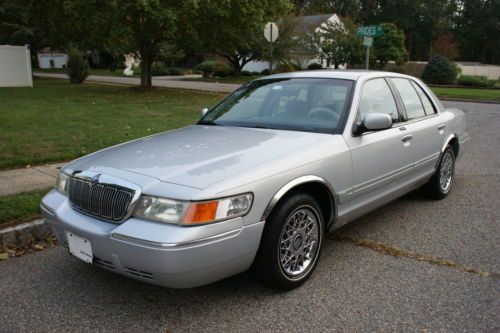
<point x="198" y="156"/>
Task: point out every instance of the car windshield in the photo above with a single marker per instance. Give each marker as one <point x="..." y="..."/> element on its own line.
<point x="300" y="104"/>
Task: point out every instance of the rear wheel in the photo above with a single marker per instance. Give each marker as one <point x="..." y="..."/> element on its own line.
<point x="291" y="242"/>
<point x="440" y="184"/>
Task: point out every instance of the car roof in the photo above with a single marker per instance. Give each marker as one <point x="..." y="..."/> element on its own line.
<point x="333" y="74"/>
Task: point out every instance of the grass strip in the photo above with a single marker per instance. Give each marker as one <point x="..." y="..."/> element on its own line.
<point x="20" y="207"/>
<point x="467" y="93"/>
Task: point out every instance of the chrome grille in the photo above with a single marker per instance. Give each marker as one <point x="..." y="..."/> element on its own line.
<point x="102" y="200"/>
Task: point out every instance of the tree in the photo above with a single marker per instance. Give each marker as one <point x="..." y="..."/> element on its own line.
<point x="477" y="30"/>
<point x="143" y="27"/>
<point x="338" y="43"/>
<point x="446" y="46"/>
<point x="440" y="70"/>
<point x="15" y="28"/>
<point x="234" y="29"/>
<point x="390" y="45"/>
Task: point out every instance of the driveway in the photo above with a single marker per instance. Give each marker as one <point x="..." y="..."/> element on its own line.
<point x="380" y="273"/>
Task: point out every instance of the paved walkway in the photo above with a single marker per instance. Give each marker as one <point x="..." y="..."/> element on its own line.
<point x="158" y="81"/>
<point x="28" y="179"/>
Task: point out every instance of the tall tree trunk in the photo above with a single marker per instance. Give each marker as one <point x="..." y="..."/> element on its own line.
<point x="146" y="61"/>
<point x="235" y="63"/>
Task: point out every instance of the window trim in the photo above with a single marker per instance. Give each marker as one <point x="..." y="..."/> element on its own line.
<point x="414" y="83"/>
<point x="433" y="103"/>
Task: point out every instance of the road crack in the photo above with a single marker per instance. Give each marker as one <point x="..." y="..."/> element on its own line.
<point x="400" y="253"/>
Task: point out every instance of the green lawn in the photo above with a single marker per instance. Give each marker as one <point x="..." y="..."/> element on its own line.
<point x="228" y="79"/>
<point x="58" y="121"/>
<point x="22" y="207"/>
<point x="467" y="93"/>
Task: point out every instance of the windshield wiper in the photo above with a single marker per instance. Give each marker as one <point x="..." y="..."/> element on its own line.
<point x="208" y="122"/>
<point x="256" y="126"/>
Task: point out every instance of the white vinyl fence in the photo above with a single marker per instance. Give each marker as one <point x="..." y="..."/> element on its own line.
<point x="15" y="66"/>
<point x="492" y="72"/>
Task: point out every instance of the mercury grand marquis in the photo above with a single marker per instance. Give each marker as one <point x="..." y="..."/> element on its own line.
<point x="259" y="180"/>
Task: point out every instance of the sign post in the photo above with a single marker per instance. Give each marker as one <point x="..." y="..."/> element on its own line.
<point x="368" y="33"/>
<point x="271" y="34"/>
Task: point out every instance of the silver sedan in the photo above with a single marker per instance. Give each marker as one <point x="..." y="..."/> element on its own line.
<point x="259" y="180"/>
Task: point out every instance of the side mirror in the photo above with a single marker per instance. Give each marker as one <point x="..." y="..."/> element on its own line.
<point x="204" y="111"/>
<point x="377" y="121"/>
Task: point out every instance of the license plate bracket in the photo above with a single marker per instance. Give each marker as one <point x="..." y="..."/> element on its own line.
<point x="80" y="247"/>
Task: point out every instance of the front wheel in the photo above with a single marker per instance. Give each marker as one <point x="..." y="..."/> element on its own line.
<point x="440" y="184"/>
<point x="291" y="242"/>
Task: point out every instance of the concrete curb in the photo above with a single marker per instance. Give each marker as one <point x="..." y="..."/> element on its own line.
<point x="25" y="234"/>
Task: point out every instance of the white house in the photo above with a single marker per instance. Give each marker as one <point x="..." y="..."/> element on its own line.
<point x="48" y="59"/>
<point x="305" y="25"/>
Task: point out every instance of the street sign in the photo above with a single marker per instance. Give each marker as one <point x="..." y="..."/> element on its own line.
<point x="368" y="41"/>
<point x="271" y="32"/>
<point x="370" y="31"/>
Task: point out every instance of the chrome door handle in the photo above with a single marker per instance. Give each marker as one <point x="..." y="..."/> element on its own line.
<point x="407" y="138"/>
<point x="441" y="127"/>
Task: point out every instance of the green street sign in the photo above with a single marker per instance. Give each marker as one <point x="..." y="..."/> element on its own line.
<point x="370" y="31"/>
<point x="368" y="41"/>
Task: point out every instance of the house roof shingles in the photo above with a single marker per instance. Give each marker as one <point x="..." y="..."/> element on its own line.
<point x="307" y="23"/>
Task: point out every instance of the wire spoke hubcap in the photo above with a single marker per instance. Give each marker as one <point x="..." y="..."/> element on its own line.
<point x="446" y="172"/>
<point x="299" y="241"/>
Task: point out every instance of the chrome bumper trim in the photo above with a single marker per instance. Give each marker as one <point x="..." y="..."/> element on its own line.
<point x="159" y="245"/>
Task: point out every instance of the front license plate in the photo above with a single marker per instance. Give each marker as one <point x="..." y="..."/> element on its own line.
<point x="80" y="247"/>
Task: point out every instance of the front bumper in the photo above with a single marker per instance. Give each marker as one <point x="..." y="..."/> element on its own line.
<point x="166" y="255"/>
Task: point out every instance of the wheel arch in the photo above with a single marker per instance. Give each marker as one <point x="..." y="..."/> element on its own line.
<point x="317" y="187"/>
<point x="451" y="140"/>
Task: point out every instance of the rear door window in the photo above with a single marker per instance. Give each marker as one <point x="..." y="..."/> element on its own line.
<point x="426" y="102"/>
<point x="411" y="100"/>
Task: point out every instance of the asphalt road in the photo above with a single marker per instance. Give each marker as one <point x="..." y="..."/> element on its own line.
<point x="353" y="289"/>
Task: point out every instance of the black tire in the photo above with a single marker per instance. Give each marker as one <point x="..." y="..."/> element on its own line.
<point x="435" y="188"/>
<point x="283" y="230"/>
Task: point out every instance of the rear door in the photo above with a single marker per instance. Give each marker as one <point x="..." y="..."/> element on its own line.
<point x="423" y="123"/>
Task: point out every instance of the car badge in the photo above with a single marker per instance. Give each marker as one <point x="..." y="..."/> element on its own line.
<point x="95" y="180"/>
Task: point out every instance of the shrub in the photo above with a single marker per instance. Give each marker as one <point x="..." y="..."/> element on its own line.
<point x="255" y="73"/>
<point x="246" y="73"/>
<point x="206" y="67"/>
<point x="213" y="68"/>
<point x="314" y="66"/>
<point x="285" y="68"/>
<point x="78" y="66"/>
<point x="440" y="70"/>
<point x="175" y="71"/>
<point x="265" y="72"/>
<point x="475" y="81"/>
<point x="158" y="69"/>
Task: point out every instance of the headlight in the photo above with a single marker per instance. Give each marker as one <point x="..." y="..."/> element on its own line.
<point x="160" y="209"/>
<point x="193" y="213"/>
<point x="62" y="182"/>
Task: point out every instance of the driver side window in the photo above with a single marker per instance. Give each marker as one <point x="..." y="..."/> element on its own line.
<point x="377" y="97"/>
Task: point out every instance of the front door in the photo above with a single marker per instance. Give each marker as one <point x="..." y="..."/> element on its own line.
<point x="382" y="160"/>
